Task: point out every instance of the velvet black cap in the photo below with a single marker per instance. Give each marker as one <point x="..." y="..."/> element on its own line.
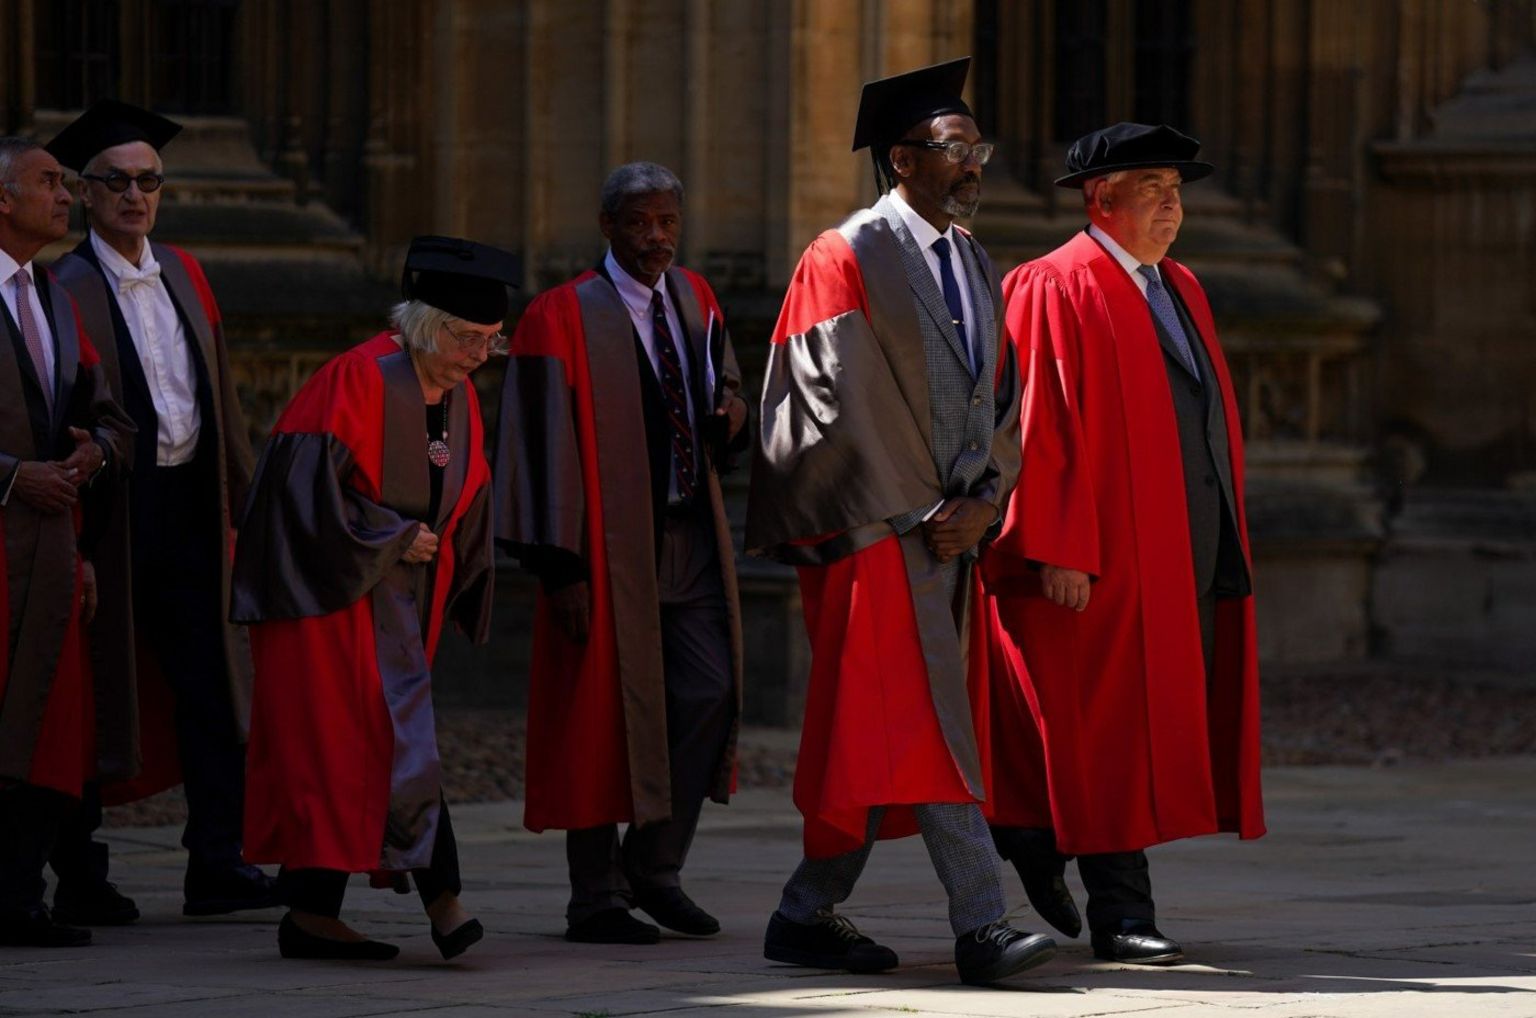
<point x="890" y="106"/>
<point x="464" y="278"/>
<point x="1128" y="146"/>
<point x="105" y="124"/>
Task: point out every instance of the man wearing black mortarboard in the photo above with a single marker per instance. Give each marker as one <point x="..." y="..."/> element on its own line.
<point x="163" y="557"/>
<point x="368" y="528"/>
<point x="1121" y="577"/>
<point x="619" y="411"/>
<point x="889" y="447"/>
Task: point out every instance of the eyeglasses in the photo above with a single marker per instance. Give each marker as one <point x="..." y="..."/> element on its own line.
<point x="957" y="151"/>
<point x="117" y="182"/>
<point x="473" y="342"/>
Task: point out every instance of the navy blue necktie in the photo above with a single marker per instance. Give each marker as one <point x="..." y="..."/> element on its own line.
<point x="952" y="297"/>
<point x="675" y="391"/>
<point x="1168" y="315"/>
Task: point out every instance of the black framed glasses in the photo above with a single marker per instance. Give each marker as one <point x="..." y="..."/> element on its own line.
<point x="957" y="151"/>
<point x="117" y="182"/>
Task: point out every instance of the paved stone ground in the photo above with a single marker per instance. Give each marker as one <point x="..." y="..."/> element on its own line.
<point x="1397" y="891"/>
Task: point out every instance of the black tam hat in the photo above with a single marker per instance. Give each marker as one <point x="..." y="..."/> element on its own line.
<point x="1133" y="147"/>
<point x="106" y="124"/>
<point x="465" y="279"/>
<point x="890" y="106"/>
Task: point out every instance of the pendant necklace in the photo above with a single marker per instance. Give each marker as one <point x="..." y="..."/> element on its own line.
<point x="438" y="453"/>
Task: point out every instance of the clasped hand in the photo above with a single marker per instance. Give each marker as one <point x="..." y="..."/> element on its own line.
<point x="958" y="526"/>
<point x="53" y="486"/>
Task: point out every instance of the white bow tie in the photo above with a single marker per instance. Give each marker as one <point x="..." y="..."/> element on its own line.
<point x="129" y="278"/>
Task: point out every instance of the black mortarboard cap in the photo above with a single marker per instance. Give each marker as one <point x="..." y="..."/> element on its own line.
<point x="106" y="124"/>
<point x="466" y="279"/>
<point x="1132" y="147"/>
<point x="890" y="106"/>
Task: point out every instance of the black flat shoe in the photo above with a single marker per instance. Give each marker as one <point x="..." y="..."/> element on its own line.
<point x="673" y="909"/>
<point x="612" y="926"/>
<point x="1042" y="870"/>
<point x="98" y="904"/>
<point x="35" y="927"/>
<point x="293" y="942"/>
<point x="451" y="945"/>
<point x="830" y="942"/>
<point x="233" y="889"/>
<point x="1140" y="944"/>
<point x="997" y="950"/>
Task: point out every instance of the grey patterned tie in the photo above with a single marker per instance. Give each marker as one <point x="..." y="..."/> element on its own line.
<point x="1168" y="316"/>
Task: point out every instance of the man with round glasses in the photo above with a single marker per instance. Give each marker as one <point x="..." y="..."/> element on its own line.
<point x="889" y="447"/>
<point x="164" y="560"/>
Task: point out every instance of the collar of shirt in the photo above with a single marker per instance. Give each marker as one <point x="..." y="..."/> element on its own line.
<point x="120" y="269"/>
<point x="8" y="267"/>
<point x="1127" y="260"/>
<point x="635" y="294"/>
<point x="921" y="229"/>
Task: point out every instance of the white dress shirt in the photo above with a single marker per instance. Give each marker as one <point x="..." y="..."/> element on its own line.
<point x="161" y="342"/>
<point x="924" y="234"/>
<point x="8" y="269"/>
<point x="637" y="301"/>
<point x="1127" y="260"/>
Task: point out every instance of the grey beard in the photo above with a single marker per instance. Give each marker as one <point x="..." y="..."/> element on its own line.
<point x="952" y="206"/>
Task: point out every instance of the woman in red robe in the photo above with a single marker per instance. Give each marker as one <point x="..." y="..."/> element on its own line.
<point x="369" y="526"/>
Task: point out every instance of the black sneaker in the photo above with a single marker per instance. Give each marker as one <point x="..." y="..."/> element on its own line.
<point x="996" y="951"/>
<point x="612" y="926"/>
<point x="94" y="904"/>
<point x="830" y="942"/>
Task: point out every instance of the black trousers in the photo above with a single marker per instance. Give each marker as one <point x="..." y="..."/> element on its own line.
<point x="179" y="609"/>
<point x="696" y="656"/>
<point x="321" y="891"/>
<point x="29" y="824"/>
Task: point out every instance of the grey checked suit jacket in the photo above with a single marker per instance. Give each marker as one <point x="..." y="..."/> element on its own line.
<point x="962" y="406"/>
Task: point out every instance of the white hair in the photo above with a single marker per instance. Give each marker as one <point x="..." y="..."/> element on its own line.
<point x="1108" y="178"/>
<point x="12" y="149"/>
<point x="419" y="323"/>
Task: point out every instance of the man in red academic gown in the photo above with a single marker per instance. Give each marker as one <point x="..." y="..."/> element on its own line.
<point x="889" y="446"/>
<point x="59" y="432"/>
<point x="620" y="408"/>
<point x="163" y="559"/>
<point x="1125" y="702"/>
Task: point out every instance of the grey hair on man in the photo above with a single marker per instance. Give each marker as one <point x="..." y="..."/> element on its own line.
<point x="419" y="323"/>
<point x="1091" y="185"/>
<point x="634" y="179"/>
<point x="11" y="149"/>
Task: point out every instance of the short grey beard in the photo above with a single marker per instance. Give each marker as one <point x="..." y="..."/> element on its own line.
<point x="952" y="206"/>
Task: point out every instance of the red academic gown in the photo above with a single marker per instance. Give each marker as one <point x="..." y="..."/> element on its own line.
<point x="887" y="668"/>
<point x="573" y="478"/>
<point x="1101" y="725"/>
<point x="322" y="537"/>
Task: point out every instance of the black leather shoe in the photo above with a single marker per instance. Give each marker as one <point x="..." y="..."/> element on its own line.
<point x="1137" y="944"/>
<point x="231" y="889"/>
<point x="293" y="942"/>
<point x="1042" y="870"/>
<point x="35" y="927"/>
<point x="612" y="926"/>
<point x="451" y="945"/>
<point x="671" y="907"/>
<point x="96" y="904"/>
<point x="996" y="951"/>
<point x="831" y="942"/>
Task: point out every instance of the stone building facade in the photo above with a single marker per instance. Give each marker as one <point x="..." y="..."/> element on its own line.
<point x="1368" y="238"/>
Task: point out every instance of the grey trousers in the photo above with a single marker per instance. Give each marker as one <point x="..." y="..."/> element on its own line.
<point x="606" y="872"/>
<point x="960" y="846"/>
